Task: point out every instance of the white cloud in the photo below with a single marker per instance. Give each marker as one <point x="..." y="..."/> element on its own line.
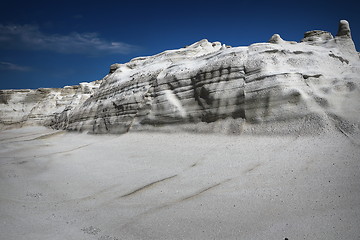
<point x="29" y="37"/>
<point x="13" y="67"/>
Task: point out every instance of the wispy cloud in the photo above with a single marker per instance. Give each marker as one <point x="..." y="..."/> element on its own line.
<point x="30" y="37"/>
<point x="7" y="66"/>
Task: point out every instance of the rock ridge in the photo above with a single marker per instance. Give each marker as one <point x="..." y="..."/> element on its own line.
<point x="280" y="86"/>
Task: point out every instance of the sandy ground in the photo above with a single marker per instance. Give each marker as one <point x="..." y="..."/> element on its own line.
<point x="58" y="185"/>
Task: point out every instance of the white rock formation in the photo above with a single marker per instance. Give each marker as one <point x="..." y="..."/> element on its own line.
<point x="40" y="107"/>
<point x="279" y="86"/>
<point x="344" y="29"/>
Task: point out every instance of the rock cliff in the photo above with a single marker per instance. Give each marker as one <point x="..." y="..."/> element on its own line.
<point x="279" y="86"/>
<point x="41" y="106"/>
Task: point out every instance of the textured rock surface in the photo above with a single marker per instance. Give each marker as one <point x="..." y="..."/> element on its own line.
<point x="41" y="106"/>
<point x="206" y="86"/>
<point x="344" y="29"/>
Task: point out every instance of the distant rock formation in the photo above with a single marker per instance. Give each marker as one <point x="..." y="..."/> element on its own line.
<point x="41" y="106"/>
<point x="279" y="86"/>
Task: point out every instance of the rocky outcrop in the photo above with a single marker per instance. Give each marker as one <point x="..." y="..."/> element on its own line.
<point x="344" y="29"/>
<point x="317" y="36"/>
<point x="300" y="87"/>
<point x="41" y="106"/>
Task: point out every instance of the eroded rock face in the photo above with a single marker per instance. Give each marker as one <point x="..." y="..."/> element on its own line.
<point x="41" y="106"/>
<point x="344" y="29"/>
<point x="280" y="85"/>
<point x="316" y="36"/>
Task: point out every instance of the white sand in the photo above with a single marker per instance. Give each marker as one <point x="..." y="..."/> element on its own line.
<point x="57" y="185"/>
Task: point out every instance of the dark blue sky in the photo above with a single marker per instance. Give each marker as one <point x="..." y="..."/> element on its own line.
<point x="58" y="43"/>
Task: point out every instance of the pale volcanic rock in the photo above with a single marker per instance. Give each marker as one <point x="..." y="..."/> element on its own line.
<point x="40" y="106"/>
<point x="302" y="86"/>
<point x="280" y="87"/>
<point x="276" y="39"/>
<point x="316" y="35"/>
<point x="344" y="29"/>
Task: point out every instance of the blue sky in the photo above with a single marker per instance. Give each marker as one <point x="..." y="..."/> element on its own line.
<point x="58" y="43"/>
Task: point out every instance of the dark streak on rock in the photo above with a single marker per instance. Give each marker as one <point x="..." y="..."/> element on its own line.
<point x="301" y="52"/>
<point x="172" y="88"/>
<point x="313" y="76"/>
<point x="119" y="107"/>
<point x="340" y="58"/>
<point x="196" y="94"/>
<point x="205" y="94"/>
<point x="239" y="112"/>
<point x="274" y="51"/>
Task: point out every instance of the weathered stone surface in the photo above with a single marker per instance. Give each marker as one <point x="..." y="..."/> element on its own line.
<point x="304" y="86"/>
<point x="316" y="35"/>
<point x="276" y="39"/>
<point x="41" y="106"/>
<point x="344" y="29"/>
